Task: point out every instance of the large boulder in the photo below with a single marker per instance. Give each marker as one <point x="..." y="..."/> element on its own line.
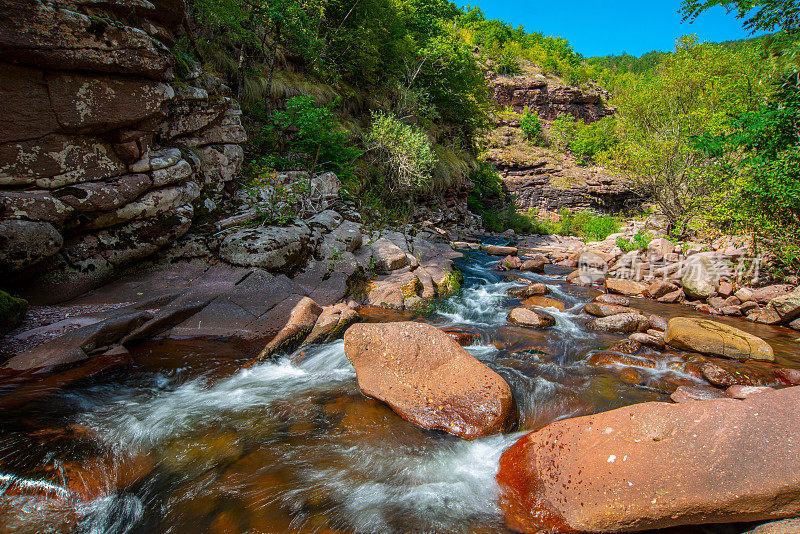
<point x="272" y="248"/>
<point x="714" y="461"/>
<point x="386" y="256"/>
<point x="700" y="278"/>
<point x="718" y="339"/>
<point x="25" y="243"/>
<point x="787" y="306"/>
<point x="621" y="323"/>
<point x="621" y="286"/>
<point x="429" y="379"/>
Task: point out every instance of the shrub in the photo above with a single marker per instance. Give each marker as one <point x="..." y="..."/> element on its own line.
<point x="592" y="139"/>
<point x="639" y="242"/>
<point x="587" y="224"/>
<point x="531" y="125"/>
<point x="403" y="152"/>
<point x="562" y="131"/>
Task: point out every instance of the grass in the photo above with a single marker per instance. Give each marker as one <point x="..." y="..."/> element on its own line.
<point x="583" y="224"/>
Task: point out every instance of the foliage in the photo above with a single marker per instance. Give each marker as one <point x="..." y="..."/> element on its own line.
<point x="757" y="15"/>
<point x="531" y="125"/>
<point x="586" y="224"/>
<point x="592" y="139"/>
<point x="562" y="131"/>
<point x="304" y="135"/>
<point x="640" y="241"/>
<point x="12" y="310"/>
<point x="403" y="151"/>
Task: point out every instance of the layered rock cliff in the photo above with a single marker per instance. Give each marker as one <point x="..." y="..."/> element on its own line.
<point x="104" y="157"/>
<point x="543" y="178"/>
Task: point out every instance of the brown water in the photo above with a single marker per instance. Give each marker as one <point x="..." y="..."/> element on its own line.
<point x="184" y="441"/>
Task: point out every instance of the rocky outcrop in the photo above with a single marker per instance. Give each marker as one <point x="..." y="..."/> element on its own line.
<point x="429" y="379"/>
<point x="595" y="473"/>
<point x="104" y="157"/>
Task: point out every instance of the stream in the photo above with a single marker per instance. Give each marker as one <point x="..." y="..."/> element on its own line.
<point x="185" y="440"/>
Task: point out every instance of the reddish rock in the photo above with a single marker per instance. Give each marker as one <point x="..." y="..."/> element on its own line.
<point x="462" y="336"/>
<point x="616" y="300"/>
<point x="671" y="298"/>
<point x="534" y="318"/>
<point x="595" y="473"/>
<point x="656" y="342"/>
<point x="628" y="346"/>
<point x="301" y="322"/>
<point x="744" y="392"/>
<point x="725" y="289"/>
<point x="719" y="339"/>
<point x="697" y="393"/>
<point x="605" y="359"/>
<point x="659" y="288"/>
<point x="543" y="302"/>
<point x="658" y="323"/>
<point x="623" y="323"/>
<point x="621" y="286"/>
<point x="731" y="311"/>
<point x="533" y="290"/>
<point x="749" y="307"/>
<point x="535" y="264"/>
<point x="789" y="377"/>
<point x="763" y="295"/>
<point x="604" y="310"/>
<point x="725" y="374"/>
<point x="787" y="526"/>
<point x="510" y="263"/>
<point x="27" y="113"/>
<point x="429" y="379"/>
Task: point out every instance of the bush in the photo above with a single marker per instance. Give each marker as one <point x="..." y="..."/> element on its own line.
<point x="562" y="131"/>
<point x="304" y="136"/>
<point x="510" y="219"/>
<point x="639" y="242"/>
<point x="587" y="224"/>
<point x="531" y="125"/>
<point x="403" y="151"/>
<point x="592" y="139"/>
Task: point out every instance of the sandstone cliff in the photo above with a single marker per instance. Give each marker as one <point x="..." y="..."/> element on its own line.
<point x="540" y="177"/>
<point x="103" y="155"/>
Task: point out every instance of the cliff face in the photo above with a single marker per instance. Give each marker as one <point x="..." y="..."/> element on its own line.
<point x="539" y="177"/>
<point x="103" y="157"/>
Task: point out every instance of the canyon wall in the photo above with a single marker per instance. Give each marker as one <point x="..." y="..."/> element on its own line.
<point x="104" y="156"/>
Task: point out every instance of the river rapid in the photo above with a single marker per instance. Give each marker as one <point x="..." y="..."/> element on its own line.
<point x="186" y="440"/>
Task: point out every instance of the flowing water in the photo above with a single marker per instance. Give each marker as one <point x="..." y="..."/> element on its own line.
<point x="186" y="441"/>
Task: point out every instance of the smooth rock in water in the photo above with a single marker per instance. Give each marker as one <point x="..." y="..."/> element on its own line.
<point x="531" y="318"/>
<point x="724" y="375"/>
<point x="610" y="358"/>
<point x="658" y="323"/>
<point x="744" y="392"/>
<point x="463" y="245"/>
<point x="616" y="300"/>
<point x="510" y="263"/>
<point x="331" y="323"/>
<point x="596" y="473"/>
<point x="496" y="250"/>
<point x="629" y="288"/>
<point x="622" y="323"/>
<point x="671" y="298"/>
<point x="599" y="309"/>
<point x="534" y="265"/>
<point x="543" y="302"/>
<point x="533" y="290"/>
<point x="429" y="379"/>
<point x="711" y="337"/>
<point x="655" y="342"/>
<point x="301" y="322"/>
<point x="697" y="393"/>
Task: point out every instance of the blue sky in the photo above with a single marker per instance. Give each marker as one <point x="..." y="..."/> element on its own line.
<point x="598" y="28"/>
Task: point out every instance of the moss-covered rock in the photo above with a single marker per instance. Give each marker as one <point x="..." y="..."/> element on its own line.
<point x="12" y="310"/>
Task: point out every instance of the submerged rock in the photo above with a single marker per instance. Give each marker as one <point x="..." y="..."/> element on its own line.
<point x="429" y="379"/>
<point x="621" y="323"/>
<point x="711" y="337"/>
<point x="596" y="473"/>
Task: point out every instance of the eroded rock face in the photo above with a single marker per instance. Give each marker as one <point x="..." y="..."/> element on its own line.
<point x="718" y="339"/>
<point x="595" y="473"/>
<point x="429" y="379"/>
<point x="91" y="174"/>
